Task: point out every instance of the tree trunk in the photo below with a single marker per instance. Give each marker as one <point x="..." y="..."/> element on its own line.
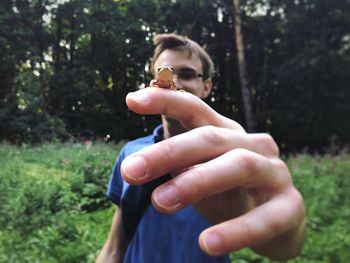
<point x="57" y="48"/>
<point x="72" y="40"/>
<point x="96" y="5"/>
<point x="246" y="92"/>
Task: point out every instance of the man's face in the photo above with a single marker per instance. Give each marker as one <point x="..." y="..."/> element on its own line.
<point x="188" y="71"/>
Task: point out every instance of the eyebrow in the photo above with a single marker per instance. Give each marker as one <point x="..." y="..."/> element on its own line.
<point x="185" y="68"/>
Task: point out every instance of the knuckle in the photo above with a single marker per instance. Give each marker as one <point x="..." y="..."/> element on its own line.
<point x="199" y="189"/>
<point x="298" y="201"/>
<point x="268" y="141"/>
<point x="214" y="135"/>
<point x="247" y="234"/>
<point x="167" y="150"/>
<point x="197" y="107"/>
<point x="296" y="207"/>
<point x="246" y="161"/>
<point x="283" y="176"/>
<point x="277" y="225"/>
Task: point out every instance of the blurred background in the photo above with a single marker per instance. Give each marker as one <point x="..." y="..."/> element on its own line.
<point x="66" y="67"/>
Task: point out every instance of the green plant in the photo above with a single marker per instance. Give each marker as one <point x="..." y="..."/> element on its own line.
<point x="53" y="206"/>
<point x="51" y="197"/>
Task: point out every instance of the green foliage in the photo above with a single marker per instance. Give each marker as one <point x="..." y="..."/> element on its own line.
<point x="53" y="208"/>
<point x="65" y="68"/>
<point x="53" y="205"/>
<point x="324" y="183"/>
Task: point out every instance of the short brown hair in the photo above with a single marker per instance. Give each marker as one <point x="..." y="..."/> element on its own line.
<point x="177" y="42"/>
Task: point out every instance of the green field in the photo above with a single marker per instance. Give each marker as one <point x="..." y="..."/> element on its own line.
<point x="53" y="208"/>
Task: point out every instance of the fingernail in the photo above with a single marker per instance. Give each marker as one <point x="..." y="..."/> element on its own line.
<point x="212" y="243"/>
<point x="134" y="167"/>
<point x="167" y="196"/>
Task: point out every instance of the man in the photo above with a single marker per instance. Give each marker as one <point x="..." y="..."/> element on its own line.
<point x="205" y="176"/>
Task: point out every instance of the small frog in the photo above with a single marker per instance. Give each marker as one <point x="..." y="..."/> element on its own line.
<point x="164" y="78"/>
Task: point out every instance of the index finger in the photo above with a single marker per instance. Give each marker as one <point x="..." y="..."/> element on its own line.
<point x="184" y="107"/>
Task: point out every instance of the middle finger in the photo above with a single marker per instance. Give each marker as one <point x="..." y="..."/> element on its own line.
<point x="236" y="168"/>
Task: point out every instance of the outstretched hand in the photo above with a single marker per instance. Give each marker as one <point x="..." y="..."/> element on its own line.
<point x="235" y="179"/>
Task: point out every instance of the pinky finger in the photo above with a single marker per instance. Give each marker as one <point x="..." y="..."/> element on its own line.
<point x="260" y="225"/>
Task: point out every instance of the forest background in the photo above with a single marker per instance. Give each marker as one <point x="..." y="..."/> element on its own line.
<point x="67" y="65"/>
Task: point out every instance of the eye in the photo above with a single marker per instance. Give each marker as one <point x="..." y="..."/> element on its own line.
<point x="187" y="74"/>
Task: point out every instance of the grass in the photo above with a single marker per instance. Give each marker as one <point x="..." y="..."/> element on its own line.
<point x="53" y="208"/>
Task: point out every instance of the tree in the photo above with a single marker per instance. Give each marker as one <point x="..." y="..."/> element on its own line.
<point x="71" y="64"/>
<point x="246" y="92"/>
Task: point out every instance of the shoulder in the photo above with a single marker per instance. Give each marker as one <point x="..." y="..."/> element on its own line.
<point x="137" y="144"/>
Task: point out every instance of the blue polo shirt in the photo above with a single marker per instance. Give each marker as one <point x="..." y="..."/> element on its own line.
<point x="155" y="237"/>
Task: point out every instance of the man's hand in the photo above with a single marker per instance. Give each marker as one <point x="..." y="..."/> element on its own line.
<point x="236" y="180"/>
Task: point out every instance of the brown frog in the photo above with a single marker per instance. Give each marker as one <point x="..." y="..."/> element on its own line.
<point x="164" y="78"/>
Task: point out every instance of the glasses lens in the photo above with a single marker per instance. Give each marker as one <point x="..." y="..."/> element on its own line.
<point x="186" y="74"/>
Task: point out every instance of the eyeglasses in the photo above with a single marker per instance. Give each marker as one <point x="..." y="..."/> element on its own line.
<point x="187" y="73"/>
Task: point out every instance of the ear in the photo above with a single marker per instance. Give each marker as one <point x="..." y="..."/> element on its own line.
<point x="208" y="85"/>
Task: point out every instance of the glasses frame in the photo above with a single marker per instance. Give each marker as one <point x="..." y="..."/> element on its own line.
<point x="195" y="75"/>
